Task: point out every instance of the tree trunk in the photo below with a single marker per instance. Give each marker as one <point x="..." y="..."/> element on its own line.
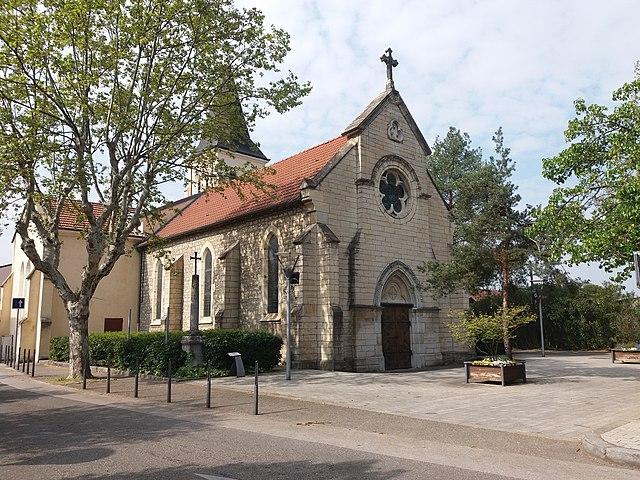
<point x="505" y="305"/>
<point x="78" y="340"/>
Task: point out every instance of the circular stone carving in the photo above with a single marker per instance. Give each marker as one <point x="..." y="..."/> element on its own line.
<point x="395" y="132"/>
<point x="394" y="193"/>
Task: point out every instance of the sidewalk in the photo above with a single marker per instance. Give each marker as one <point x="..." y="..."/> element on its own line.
<point x="567" y="396"/>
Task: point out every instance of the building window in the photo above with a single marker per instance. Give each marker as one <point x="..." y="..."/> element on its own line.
<point x="272" y="275"/>
<point x="394" y="192"/>
<point x="113" y="324"/>
<point x="208" y="283"/>
<point x="159" y="275"/>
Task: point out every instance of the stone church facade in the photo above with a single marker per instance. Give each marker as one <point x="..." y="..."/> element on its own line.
<point x="361" y="212"/>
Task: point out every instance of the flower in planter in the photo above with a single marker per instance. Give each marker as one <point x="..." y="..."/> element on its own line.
<point x="495" y="361"/>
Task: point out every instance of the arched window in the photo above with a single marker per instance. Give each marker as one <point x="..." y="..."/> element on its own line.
<point x="159" y="275"/>
<point x="208" y="282"/>
<point x="272" y="275"/>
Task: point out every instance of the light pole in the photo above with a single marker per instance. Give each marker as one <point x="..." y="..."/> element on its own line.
<point x="539" y="281"/>
<point x="292" y="277"/>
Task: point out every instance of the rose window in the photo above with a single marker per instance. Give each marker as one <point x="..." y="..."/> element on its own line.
<point x="394" y="193"/>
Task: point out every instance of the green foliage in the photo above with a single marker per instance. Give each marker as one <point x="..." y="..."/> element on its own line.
<point x="487" y="332"/>
<point x="452" y="159"/>
<point x="577" y="315"/>
<point x="489" y="246"/>
<point x="150" y="351"/>
<point x="107" y="100"/>
<point x="59" y="349"/>
<point x="252" y="344"/>
<point x="105" y="347"/>
<point x="594" y="214"/>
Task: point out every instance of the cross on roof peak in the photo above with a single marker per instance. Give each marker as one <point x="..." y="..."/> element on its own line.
<point x="391" y="63"/>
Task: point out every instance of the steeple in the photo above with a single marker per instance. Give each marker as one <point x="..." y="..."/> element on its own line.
<point x="236" y="149"/>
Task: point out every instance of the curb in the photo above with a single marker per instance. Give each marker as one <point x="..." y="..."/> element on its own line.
<point x="596" y="446"/>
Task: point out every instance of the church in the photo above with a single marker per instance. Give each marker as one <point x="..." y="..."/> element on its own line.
<point x="356" y="215"/>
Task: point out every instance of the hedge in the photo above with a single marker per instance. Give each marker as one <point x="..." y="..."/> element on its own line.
<point x="150" y="351"/>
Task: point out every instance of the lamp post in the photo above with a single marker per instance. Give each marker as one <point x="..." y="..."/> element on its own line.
<point x="293" y="278"/>
<point x="534" y="283"/>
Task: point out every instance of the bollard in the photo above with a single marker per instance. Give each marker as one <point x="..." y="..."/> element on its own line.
<point x="28" y="360"/>
<point x="208" y="385"/>
<point x="6" y="355"/>
<point x="255" y="391"/>
<point x="24" y="358"/>
<point x="136" y="380"/>
<point x="169" y="381"/>
<point x="17" y="365"/>
<point x="84" y="378"/>
<point x="109" y="375"/>
<point x="33" y="367"/>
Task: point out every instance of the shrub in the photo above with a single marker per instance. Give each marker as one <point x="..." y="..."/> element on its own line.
<point x="151" y="353"/>
<point x="105" y="347"/>
<point x="252" y="344"/>
<point x="59" y="349"/>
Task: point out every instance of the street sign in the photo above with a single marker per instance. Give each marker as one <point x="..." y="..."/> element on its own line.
<point x="18" y="303"/>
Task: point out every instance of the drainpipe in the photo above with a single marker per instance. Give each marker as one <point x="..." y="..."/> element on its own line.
<point x="140" y="281"/>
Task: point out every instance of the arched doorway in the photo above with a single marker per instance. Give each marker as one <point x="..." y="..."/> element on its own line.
<point x="396" y="302"/>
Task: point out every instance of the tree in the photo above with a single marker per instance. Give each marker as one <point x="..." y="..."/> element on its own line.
<point x="489" y="246"/>
<point x="451" y="160"/>
<point x="595" y="214"/>
<point x="106" y="100"/>
<point x="484" y="332"/>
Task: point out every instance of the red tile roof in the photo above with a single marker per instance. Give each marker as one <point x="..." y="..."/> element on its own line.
<point x="72" y="217"/>
<point x="216" y="208"/>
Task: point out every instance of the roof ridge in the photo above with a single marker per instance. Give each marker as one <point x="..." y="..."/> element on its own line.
<point x="307" y="150"/>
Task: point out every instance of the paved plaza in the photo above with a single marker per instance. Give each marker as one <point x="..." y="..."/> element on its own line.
<point x="567" y="394"/>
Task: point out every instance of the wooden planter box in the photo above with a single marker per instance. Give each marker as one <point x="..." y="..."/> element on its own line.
<point x="625" y="356"/>
<point x="504" y="374"/>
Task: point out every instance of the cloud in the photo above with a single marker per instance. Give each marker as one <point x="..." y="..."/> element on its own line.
<point x="475" y="65"/>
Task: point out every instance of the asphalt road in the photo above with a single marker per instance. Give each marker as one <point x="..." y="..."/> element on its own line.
<point x="50" y="432"/>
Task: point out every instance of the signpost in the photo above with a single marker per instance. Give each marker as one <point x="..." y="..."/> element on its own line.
<point x="636" y="264"/>
<point x="17" y="304"/>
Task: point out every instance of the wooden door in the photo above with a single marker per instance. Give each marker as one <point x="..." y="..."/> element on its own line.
<point x="396" y="341"/>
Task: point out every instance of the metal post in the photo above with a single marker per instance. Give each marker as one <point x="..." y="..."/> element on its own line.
<point x="33" y="367"/>
<point x="255" y="391"/>
<point x="108" y="375"/>
<point x="84" y="378"/>
<point x="541" y="321"/>
<point x="137" y="379"/>
<point x="166" y="327"/>
<point x="18" y="361"/>
<point x="24" y="359"/>
<point x="15" y="340"/>
<point x="129" y="325"/>
<point x="169" y="381"/>
<point x="28" y="360"/>
<point x="208" y="384"/>
<point x="288" y="360"/>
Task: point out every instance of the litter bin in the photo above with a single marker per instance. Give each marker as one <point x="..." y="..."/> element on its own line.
<point x="237" y="367"/>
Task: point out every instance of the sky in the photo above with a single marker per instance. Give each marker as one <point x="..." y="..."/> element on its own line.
<point x="475" y="65"/>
